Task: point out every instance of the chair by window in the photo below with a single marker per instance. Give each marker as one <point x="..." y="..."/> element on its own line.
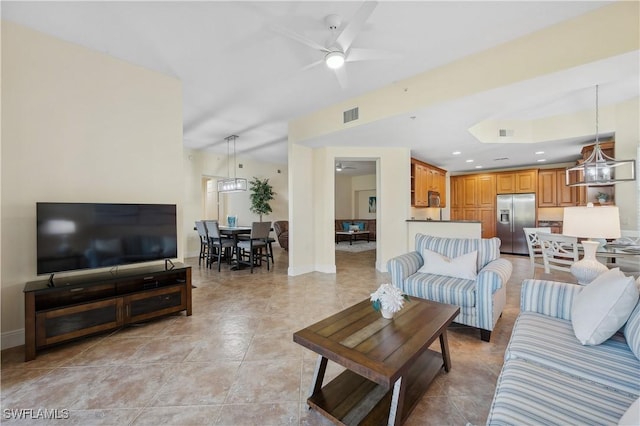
<point x="535" y="249"/>
<point x="204" y="242"/>
<point x="219" y="244"/>
<point x="559" y="252"/>
<point x="254" y="245"/>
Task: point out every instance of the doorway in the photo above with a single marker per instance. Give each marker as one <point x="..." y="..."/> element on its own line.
<point x="356" y="202"/>
<point x="213" y="205"/>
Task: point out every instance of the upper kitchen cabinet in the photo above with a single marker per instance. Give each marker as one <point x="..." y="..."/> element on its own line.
<point x="553" y="190"/>
<point x="426" y="178"/>
<point x="517" y="182"/>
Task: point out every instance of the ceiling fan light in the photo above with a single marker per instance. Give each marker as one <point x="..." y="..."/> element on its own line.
<point x="334" y="60"/>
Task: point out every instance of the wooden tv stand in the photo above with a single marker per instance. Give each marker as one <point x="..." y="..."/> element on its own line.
<point x="92" y="303"/>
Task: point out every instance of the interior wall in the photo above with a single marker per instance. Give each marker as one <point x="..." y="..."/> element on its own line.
<point x="343" y="197"/>
<point x="78" y="126"/>
<point x="201" y="163"/>
<point x="362" y="204"/>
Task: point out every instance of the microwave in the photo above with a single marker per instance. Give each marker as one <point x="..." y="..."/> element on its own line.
<point x="433" y="198"/>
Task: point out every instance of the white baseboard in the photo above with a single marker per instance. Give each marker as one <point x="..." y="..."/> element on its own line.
<point x="11" y="339"/>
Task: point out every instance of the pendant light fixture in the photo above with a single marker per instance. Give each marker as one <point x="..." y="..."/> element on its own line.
<point x="600" y="169"/>
<point x="232" y="184"/>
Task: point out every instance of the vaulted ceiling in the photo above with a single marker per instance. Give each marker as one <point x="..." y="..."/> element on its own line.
<point x="241" y="74"/>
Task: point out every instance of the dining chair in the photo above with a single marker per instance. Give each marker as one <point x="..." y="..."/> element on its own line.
<point x="559" y="251"/>
<point x="535" y="249"/>
<point x="204" y="241"/>
<point x="219" y="244"/>
<point x="254" y="245"/>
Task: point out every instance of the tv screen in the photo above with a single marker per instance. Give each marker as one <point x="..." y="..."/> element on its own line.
<point x="73" y="236"/>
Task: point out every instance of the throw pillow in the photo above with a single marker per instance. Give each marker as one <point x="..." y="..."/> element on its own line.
<point x="345" y="226"/>
<point x="360" y="226"/>
<point x="459" y="267"/>
<point x="631" y="417"/>
<point x="603" y="306"/>
<point x="354" y="228"/>
<point x="632" y="331"/>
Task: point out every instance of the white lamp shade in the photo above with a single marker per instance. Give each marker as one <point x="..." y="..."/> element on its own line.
<point x="591" y="222"/>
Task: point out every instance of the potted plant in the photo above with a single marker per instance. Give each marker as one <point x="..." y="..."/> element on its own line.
<point x="261" y="194"/>
<point x="388" y="300"/>
<point x="602" y="197"/>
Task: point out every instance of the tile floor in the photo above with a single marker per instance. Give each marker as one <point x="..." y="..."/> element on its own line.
<point x="234" y="361"/>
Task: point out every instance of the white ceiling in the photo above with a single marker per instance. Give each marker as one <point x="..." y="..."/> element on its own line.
<point x="241" y="77"/>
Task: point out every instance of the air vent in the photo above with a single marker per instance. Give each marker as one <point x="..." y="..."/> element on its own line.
<point x="503" y="133"/>
<point x="501" y="159"/>
<point x="350" y="115"/>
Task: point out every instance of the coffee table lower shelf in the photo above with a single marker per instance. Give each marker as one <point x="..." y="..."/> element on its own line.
<point x="351" y="399"/>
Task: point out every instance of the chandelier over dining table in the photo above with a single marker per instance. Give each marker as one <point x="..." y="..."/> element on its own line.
<point x="232" y="184"/>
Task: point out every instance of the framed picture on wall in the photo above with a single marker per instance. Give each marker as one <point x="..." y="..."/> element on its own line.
<point x="372" y="204"/>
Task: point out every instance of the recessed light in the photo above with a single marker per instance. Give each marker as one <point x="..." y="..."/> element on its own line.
<point x="541" y="160"/>
<point x="478" y="167"/>
<point x="539" y="152"/>
<point x="469" y="161"/>
<point x="456" y="153"/>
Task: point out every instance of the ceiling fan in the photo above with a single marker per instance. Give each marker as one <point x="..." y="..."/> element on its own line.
<point x="339" y="50"/>
<point x="340" y="167"/>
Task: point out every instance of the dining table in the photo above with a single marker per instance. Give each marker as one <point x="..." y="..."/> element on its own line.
<point x="235" y="232"/>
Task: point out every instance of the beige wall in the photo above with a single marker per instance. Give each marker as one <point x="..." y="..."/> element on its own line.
<point x="77" y="126"/>
<point x="199" y="163"/>
<point x="352" y="196"/>
<point x="343" y="197"/>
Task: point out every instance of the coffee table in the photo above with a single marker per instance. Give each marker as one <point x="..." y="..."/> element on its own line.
<point x="352" y="235"/>
<point x="389" y="363"/>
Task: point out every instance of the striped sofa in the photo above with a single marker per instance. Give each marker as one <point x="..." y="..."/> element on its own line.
<point x="481" y="300"/>
<point x="550" y="378"/>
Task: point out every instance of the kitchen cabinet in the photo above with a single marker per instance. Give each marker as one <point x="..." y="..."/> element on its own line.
<point x="425" y="178"/>
<point x="553" y="190"/>
<point x="516" y="182"/>
<point x="474" y="198"/>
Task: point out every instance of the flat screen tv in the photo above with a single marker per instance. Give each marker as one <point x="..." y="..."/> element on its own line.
<point x="74" y="236"/>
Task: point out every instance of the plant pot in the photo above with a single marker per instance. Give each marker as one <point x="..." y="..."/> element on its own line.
<point x="387" y="314"/>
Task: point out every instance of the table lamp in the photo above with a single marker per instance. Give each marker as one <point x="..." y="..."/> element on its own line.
<point x="590" y="222"/>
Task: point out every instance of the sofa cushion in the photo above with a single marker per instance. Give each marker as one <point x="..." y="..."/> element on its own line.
<point x="550" y="342"/>
<point x="603" y="307"/>
<point x="439" y="288"/>
<point x="632" y="331"/>
<point x="488" y="248"/>
<point x="528" y="393"/>
<point x="345" y="226"/>
<point x="459" y="267"/>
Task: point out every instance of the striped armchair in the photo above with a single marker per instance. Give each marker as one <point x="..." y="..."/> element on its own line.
<point x="481" y="300"/>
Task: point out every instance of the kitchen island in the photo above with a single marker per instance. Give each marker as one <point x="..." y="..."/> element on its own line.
<point x="442" y="228"/>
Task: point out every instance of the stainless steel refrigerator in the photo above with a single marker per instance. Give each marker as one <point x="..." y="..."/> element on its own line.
<point x="515" y="211"/>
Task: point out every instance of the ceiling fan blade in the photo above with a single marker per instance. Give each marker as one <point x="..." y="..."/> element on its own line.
<point x="352" y="29"/>
<point x="341" y="75"/>
<point x="311" y="65"/>
<point x="298" y="37"/>
<point x="357" y="54"/>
